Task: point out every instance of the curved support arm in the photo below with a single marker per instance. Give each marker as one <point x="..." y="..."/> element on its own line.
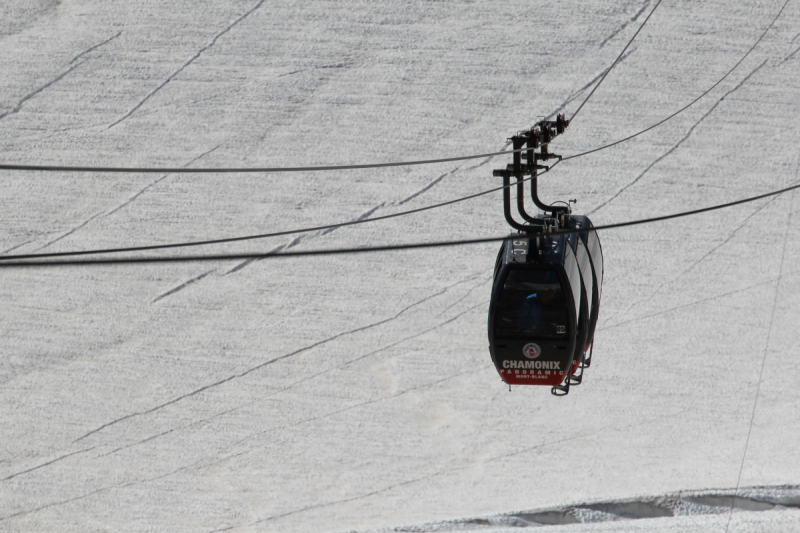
<point x="518" y="142"/>
<point x="507" y="205"/>
<point x="521" y="202"/>
<point x="532" y="161"/>
<point x="537" y="137"/>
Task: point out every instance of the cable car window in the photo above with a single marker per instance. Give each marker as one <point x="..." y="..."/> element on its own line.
<point x="531" y="304"/>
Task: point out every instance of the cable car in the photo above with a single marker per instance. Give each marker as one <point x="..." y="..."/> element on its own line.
<point x="544" y="307"/>
<point x="533" y="314"/>
<point x="547" y="281"/>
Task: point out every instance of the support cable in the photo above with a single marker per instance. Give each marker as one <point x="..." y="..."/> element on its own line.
<point x="365" y="249"/>
<point x="293" y="169"/>
<point x="259" y="236"/>
<point x="226" y="170"/>
<point x="763" y="364"/>
<point x="231" y="170"/>
<point x="690" y="104"/>
<point x="575" y="114"/>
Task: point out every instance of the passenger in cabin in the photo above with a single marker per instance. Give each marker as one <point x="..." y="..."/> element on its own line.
<point x="531" y="312"/>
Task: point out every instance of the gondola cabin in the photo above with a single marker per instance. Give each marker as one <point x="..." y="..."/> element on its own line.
<point x="543" y="311"/>
<point x="547" y="279"/>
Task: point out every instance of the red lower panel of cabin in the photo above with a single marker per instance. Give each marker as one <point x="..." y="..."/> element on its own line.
<point x="533" y="377"/>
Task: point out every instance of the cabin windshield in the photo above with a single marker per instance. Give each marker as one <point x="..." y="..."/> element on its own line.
<point x="531" y="305"/>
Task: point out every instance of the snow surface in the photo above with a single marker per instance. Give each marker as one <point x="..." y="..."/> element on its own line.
<point x="356" y="392"/>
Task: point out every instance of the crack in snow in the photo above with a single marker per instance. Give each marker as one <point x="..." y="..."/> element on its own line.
<point x="184" y="285"/>
<point x="479" y="284"/>
<point x="690" y="304"/>
<point x="701" y="259"/>
<point x="157" y="181"/>
<point x="17" y="108"/>
<point x="395" y="485"/>
<point x="206" y="465"/>
<point x="624" y="25"/>
<point x="17" y="246"/>
<point x="48" y="463"/>
<point x="275" y="393"/>
<point x="95" y="47"/>
<point x="187" y="63"/>
<point x="256" y="368"/>
<point x="591" y="82"/>
<point x="70" y="232"/>
<point x="294" y="242"/>
<point x="127" y="202"/>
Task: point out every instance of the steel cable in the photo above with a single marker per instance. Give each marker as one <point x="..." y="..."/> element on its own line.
<point x="262" y="235"/>
<point x="230" y="170"/>
<point x="366" y="249"/>
<point x="615" y="62"/>
<point x="255" y="170"/>
<point x="690" y="104"/>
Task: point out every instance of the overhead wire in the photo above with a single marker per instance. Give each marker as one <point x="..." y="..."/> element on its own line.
<point x="262" y="235"/>
<point x="313" y="168"/>
<point x="689" y="213"/>
<point x="384" y="217"/>
<point x="630" y="41"/>
<point x="367" y="249"/>
<point x="5" y="261"/>
<point x="261" y="170"/>
<point x="346" y="167"/>
<point x="240" y="170"/>
<point x="761" y="372"/>
<point x="687" y="106"/>
<point x="683" y="213"/>
<point x="376" y="165"/>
